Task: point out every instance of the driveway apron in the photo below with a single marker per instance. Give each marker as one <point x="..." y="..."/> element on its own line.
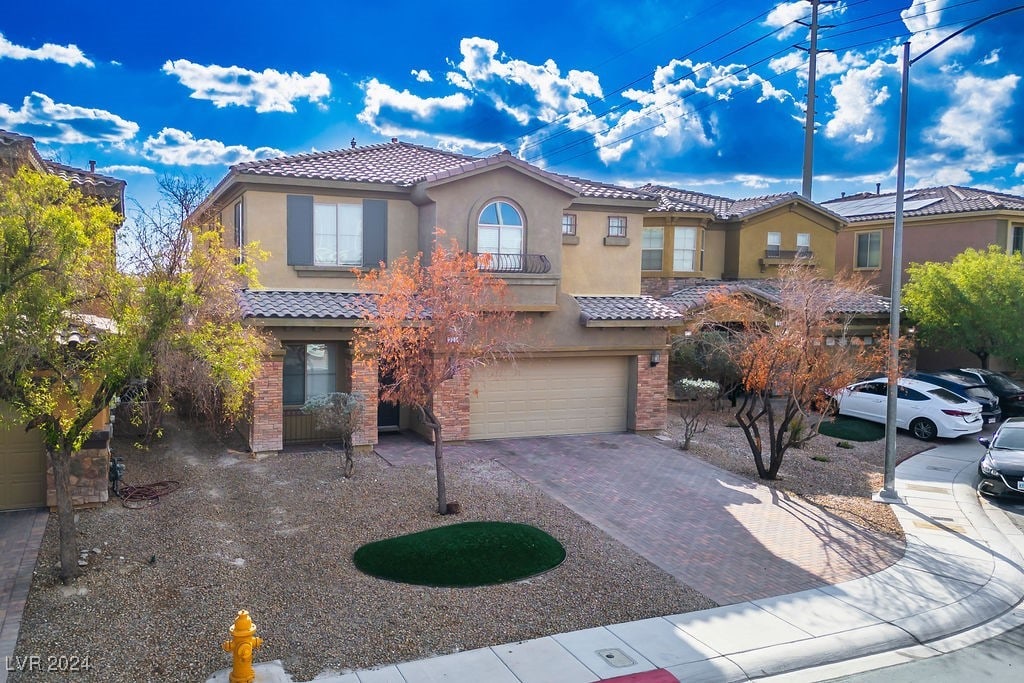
<point x="729" y="538"/>
<point x="21" y="533"/>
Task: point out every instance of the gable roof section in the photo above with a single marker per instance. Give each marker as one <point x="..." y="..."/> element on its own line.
<point x="929" y="201"/>
<point x="694" y="296"/>
<point x="630" y="311"/>
<point x="406" y="165"/>
<point x="674" y="200"/>
<point x="81" y="177"/>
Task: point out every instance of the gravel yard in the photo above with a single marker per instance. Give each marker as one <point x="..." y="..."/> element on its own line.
<point x="840" y="480"/>
<point x="276" y="537"/>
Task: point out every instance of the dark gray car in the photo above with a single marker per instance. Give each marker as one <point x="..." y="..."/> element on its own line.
<point x="1002" y="467"/>
<point x="963" y="385"/>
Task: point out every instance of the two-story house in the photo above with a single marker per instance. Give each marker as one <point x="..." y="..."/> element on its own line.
<point x="569" y="249"/>
<point x="691" y="237"/>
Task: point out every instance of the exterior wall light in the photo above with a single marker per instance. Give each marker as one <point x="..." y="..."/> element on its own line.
<point x="655" y="358"/>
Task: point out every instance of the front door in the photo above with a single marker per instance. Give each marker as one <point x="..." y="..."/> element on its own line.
<point x="387" y="412"/>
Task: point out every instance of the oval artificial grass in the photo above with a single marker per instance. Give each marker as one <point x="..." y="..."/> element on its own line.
<point x="852" y="429"/>
<point x="462" y="555"/>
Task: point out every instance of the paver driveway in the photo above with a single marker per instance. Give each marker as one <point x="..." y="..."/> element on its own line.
<point x="718" y="533"/>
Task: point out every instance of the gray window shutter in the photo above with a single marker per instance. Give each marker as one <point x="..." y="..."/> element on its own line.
<point x="300" y="230"/>
<point x="375" y="232"/>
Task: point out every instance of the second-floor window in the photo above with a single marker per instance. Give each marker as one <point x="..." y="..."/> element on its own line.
<point x="868" y="250"/>
<point x="616" y="226"/>
<point x="774" y="243"/>
<point x="653" y="249"/>
<point x="568" y="224"/>
<point x="500" y="230"/>
<point x="338" y="234"/>
<point x="803" y="244"/>
<point x="684" y="250"/>
<point x="239" y="217"/>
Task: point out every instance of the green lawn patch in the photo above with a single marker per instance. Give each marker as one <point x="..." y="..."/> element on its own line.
<point x="852" y="429"/>
<point x="462" y="555"/>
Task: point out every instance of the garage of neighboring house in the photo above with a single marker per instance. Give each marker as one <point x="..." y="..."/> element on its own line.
<point x="22" y="469"/>
<point x="533" y="397"/>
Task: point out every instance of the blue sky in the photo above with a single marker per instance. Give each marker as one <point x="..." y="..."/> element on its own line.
<point x="706" y="94"/>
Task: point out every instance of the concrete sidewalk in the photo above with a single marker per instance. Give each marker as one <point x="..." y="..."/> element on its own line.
<point x="960" y="581"/>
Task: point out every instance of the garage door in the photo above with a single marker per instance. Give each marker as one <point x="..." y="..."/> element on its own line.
<point x="22" y="469"/>
<point x="551" y="396"/>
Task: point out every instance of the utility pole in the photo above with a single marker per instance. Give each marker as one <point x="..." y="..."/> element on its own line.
<point x="812" y="77"/>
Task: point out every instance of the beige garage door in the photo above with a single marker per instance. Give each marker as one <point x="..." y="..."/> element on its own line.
<point x="22" y="469"/>
<point x="551" y="396"/>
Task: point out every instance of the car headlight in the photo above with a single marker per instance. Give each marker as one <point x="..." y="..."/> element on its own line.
<point x="988" y="467"/>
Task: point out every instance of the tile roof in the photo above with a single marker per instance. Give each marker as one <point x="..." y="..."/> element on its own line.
<point x="78" y="176"/>
<point x="319" y="305"/>
<point x="404" y="165"/>
<point x="695" y="295"/>
<point x="723" y="208"/>
<point x="606" y="308"/>
<point x="948" y="199"/>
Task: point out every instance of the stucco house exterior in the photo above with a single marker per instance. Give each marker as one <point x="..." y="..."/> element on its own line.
<point x="569" y="249"/>
<point x="25" y="481"/>
<point x="938" y="224"/>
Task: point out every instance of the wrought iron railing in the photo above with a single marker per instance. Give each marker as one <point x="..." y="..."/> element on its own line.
<point x="788" y="255"/>
<point x="514" y="263"/>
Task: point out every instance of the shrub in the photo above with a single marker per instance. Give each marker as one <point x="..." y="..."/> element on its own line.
<point x="694" y="398"/>
<point x="338" y="413"/>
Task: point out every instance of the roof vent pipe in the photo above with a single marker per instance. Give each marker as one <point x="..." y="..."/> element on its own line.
<point x="353" y="143"/>
<point x="842" y="195"/>
<point x="394" y="139"/>
<point x="92" y="166"/>
<point x="878" y="188"/>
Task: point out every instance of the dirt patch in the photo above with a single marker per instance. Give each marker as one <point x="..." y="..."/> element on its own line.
<point x="276" y="537"/>
<point x="839" y="479"/>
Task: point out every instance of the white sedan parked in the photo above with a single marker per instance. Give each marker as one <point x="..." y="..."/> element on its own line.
<point x="926" y="410"/>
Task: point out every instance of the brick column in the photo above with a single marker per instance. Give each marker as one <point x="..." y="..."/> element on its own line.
<point x="651" y="389"/>
<point x="266" y="428"/>
<point x="364" y="380"/>
<point x="451" y="406"/>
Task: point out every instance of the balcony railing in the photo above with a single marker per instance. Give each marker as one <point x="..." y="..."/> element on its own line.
<point x="514" y="263"/>
<point x="780" y="255"/>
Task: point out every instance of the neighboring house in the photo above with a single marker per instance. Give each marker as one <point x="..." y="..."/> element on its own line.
<point x="938" y="224"/>
<point x="569" y="249"/>
<point x="690" y="237"/>
<point x="23" y="462"/>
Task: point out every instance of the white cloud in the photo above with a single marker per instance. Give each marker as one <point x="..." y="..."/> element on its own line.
<point x="268" y="90"/>
<point x="180" y="148"/>
<point x="422" y="75"/>
<point x="458" y="80"/>
<point x="114" y="169"/>
<point x="1018" y="170"/>
<point x="924" y="19"/>
<point x="973" y="123"/>
<point x="49" y="121"/>
<point x="991" y="58"/>
<point x="859" y="95"/>
<point x="785" y="15"/>
<point x="62" y="54"/>
<point x="380" y="95"/>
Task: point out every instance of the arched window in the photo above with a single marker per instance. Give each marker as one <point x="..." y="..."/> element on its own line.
<point x="500" y="232"/>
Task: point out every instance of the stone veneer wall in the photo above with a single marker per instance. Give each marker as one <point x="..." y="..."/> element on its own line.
<point x="451" y="406"/>
<point x="365" y="378"/>
<point x="266" y="428"/>
<point x="651" y="393"/>
<point x="89" y="473"/>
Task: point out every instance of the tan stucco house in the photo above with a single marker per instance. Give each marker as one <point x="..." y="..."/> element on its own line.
<point x="569" y="248"/>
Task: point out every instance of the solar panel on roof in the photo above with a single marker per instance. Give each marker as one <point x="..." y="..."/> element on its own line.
<point x="885" y="204"/>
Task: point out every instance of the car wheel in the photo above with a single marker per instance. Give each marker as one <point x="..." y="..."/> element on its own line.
<point x="923" y="429"/>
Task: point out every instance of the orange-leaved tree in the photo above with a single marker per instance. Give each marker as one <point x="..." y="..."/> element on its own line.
<point x="792" y="351"/>
<point x="430" y="323"/>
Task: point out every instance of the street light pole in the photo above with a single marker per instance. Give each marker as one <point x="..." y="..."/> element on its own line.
<point x="888" y="493"/>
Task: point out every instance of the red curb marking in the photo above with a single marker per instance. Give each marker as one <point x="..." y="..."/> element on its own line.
<point x="655" y="676"/>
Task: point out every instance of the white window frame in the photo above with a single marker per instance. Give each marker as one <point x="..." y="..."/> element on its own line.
<point x="774" y="245"/>
<point x="569" y="224"/>
<point x="803" y="244"/>
<point x="315" y="371"/>
<point x="508" y="234"/>
<point x="239" y="218"/>
<point x="653" y="240"/>
<point x="684" y="251"/>
<point x="857" y="250"/>
<point x="337" y="239"/>
<point x="618" y="226"/>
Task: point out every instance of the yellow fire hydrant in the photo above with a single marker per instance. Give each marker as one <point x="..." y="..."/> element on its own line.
<point x="243" y="642"/>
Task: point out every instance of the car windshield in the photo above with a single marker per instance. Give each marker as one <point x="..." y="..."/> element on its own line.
<point x="1009" y="438"/>
<point x="1004" y="383"/>
<point x="947" y="395"/>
